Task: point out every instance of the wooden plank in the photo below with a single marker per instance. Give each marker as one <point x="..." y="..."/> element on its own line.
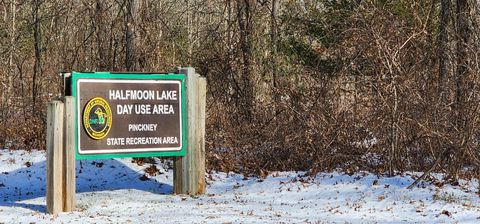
<point x="54" y="157"/>
<point x="192" y="86"/>
<point x="185" y="168"/>
<point x="69" y="156"/>
<point x="200" y="135"/>
<point x="66" y="82"/>
<point x="178" y="174"/>
<point x="180" y="164"/>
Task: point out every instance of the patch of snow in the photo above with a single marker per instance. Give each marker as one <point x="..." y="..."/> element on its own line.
<point x="111" y="191"/>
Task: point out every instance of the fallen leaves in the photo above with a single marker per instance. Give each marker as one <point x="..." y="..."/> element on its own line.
<point x="447" y="213"/>
<point x="381" y="197"/>
<point x="152" y="170"/>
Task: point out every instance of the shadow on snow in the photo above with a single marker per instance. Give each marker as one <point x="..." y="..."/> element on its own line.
<point x="91" y="175"/>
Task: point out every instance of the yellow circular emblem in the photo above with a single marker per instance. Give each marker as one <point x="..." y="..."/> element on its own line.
<point x="97" y="118"/>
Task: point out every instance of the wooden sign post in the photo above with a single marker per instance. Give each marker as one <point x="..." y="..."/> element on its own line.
<point x="55" y="157"/>
<point x="68" y="170"/>
<point x="60" y="156"/>
<point x="112" y="115"/>
<point x="189" y="171"/>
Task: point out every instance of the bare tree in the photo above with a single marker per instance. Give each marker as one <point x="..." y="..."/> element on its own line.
<point x="37" y="67"/>
<point x="442" y="40"/>
<point x="245" y="11"/>
<point x="462" y="35"/>
<point x="130" y="16"/>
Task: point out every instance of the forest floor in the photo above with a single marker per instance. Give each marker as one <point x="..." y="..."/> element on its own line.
<point x="119" y="191"/>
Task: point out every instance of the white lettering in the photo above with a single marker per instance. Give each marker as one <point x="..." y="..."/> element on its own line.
<point x="142" y="127"/>
<point x="124" y="109"/>
<point x="167" y="95"/>
<point x="131" y="94"/>
<point x="143" y="109"/>
<point x="163" y="109"/>
<point x="115" y="141"/>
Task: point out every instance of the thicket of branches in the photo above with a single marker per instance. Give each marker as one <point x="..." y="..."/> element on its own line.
<point x="380" y="85"/>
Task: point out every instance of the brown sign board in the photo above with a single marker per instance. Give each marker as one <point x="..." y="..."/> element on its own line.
<point x="131" y="116"/>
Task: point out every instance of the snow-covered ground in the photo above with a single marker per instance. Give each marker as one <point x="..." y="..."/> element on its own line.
<point x="113" y="191"/>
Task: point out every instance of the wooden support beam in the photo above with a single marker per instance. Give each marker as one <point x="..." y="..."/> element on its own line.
<point x="178" y="175"/>
<point x="55" y="157"/>
<point x="69" y="156"/>
<point x="191" y="84"/>
<point x="200" y="136"/>
<point x="189" y="171"/>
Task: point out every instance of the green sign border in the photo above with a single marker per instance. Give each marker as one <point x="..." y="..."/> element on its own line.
<point x="139" y="76"/>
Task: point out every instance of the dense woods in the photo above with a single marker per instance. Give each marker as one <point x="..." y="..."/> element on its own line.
<point x="378" y="85"/>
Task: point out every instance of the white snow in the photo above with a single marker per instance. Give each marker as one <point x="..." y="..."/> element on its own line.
<point x="110" y="191"/>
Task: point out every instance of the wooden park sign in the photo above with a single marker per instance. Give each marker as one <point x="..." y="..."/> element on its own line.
<point x="111" y="115"/>
<point x="129" y="115"/>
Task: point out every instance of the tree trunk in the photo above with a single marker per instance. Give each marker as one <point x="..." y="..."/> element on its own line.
<point x="461" y="73"/>
<point x="37" y="68"/>
<point x="273" y="37"/>
<point x="189" y="13"/>
<point x="442" y="40"/>
<point x="11" y="75"/>
<point x="245" y="24"/>
<point x="100" y="26"/>
<point x="462" y="57"/>
<point x="130" y="57"/>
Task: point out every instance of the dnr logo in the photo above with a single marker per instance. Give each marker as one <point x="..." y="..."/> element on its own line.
<point x="97" y="118"/>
